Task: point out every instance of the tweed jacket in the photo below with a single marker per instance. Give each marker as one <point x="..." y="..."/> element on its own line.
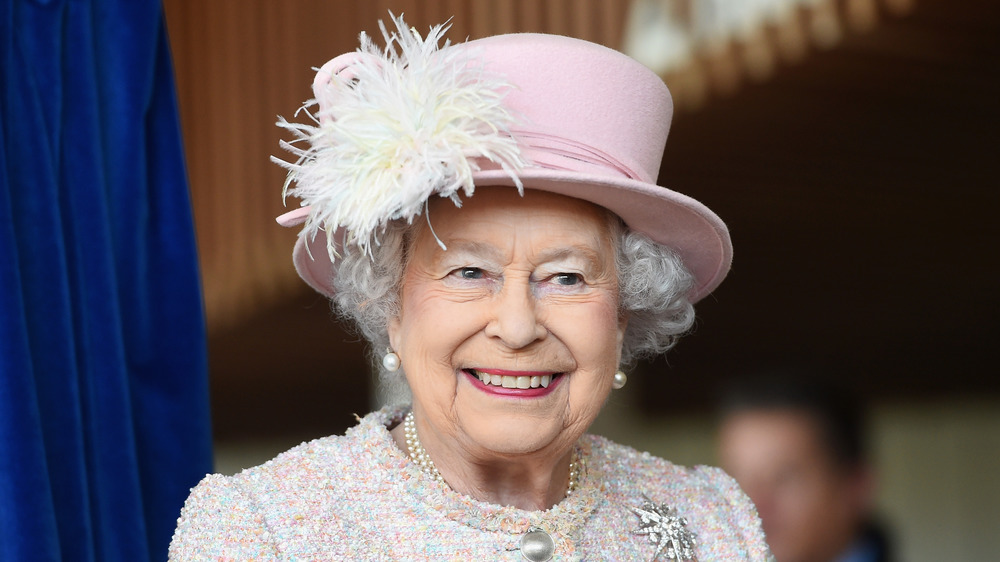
<point x="358" y="497"/>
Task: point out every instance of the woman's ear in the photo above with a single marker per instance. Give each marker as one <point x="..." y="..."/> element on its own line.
<point x="393" y="330"/>
<point x="622" y="327"/>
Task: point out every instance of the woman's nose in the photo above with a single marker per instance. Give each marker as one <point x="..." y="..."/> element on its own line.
<point x="515" y="319"/>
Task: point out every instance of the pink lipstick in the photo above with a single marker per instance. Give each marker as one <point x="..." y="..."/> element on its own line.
<point x="521" y="384"/>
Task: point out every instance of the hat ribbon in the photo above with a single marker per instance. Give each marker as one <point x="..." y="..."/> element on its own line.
<point x="553" y="152"/>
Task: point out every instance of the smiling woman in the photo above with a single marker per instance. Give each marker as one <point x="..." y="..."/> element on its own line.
<point x="486" y="214"/>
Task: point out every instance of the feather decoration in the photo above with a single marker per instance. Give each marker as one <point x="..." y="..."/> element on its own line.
<point x="394" y="128"/>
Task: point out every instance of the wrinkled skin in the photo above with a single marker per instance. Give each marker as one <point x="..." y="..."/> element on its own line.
<point x="525" y="285"/>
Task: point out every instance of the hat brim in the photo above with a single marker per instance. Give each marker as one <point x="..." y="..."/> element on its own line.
<point x="670" y="218"/>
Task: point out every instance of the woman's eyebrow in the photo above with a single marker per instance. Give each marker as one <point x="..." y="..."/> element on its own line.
<point x="587" y="254"/>
<point x="462" y="247"/>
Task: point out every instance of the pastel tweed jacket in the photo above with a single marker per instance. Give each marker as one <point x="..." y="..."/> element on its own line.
<point x="358" y="497"/>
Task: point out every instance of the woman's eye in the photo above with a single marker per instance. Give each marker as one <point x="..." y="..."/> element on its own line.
<point x="566" y="278"/>
<point x="470" y="273"/>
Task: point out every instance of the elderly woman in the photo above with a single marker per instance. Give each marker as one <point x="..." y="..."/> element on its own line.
<point x="486" y="214"/>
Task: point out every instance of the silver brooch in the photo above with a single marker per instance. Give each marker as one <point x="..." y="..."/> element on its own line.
<point x="667" y="530"/>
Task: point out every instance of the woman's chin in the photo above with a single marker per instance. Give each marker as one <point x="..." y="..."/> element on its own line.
<point x="515" y="435"/>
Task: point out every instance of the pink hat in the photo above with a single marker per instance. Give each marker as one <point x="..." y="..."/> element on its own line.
<point x="592" y="124"/>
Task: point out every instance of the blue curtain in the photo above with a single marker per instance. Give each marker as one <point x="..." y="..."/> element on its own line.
<point x="104" y="421"/>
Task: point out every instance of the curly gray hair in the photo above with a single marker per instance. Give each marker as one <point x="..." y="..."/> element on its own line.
<point x="653" y="285"/>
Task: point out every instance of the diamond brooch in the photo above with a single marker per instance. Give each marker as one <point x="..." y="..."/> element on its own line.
<point x="667" y="530"/>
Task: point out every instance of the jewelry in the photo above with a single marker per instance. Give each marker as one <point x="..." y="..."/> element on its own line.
<point x="619" y="380"/>
<point x="390" y="360"/>
<point x="423" y="460"/>
<point x="667" y="530"/>
<point x="417" y="452"/>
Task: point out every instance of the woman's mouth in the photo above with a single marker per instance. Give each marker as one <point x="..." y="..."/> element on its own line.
<point x="514" y="379"/>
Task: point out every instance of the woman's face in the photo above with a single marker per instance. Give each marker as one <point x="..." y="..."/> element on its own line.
<point x="525" y="295"/>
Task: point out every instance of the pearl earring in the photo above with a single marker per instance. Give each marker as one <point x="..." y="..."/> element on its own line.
<point x="390" y="360"/>
<point x="619" y="380"/>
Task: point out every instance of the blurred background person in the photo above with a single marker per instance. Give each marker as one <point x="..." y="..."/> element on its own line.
<point x="797" y="446"/>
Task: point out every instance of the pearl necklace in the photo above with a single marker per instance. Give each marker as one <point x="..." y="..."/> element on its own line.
<point x="423" y="460"/>
<point x="417" y="452"/>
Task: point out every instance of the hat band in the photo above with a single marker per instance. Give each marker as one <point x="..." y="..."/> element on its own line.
<point x="552" y="152"/>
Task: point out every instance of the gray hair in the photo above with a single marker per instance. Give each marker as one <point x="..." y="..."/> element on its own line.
<point x="653" y="285"/>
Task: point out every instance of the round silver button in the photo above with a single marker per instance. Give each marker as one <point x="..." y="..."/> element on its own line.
<point x="537" y="545"/>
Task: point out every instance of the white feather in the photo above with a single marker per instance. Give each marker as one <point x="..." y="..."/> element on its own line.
<point x="410" y="124"/>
